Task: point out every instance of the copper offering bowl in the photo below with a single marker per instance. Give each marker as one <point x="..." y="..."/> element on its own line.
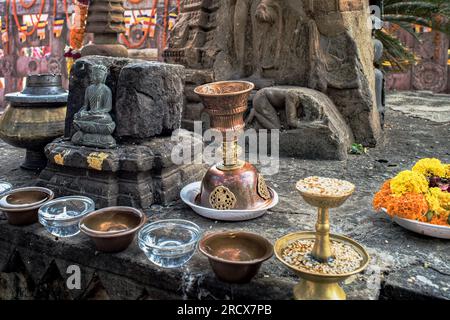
<point x="236" y="257"/>
<point x="112" y="229"/>
<point x="233" y="184"/>
<point x="21" y="205"/>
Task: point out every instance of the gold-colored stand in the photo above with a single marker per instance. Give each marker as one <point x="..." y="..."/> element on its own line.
<point x="313" y="290"/>
<point x="318" y="286"/>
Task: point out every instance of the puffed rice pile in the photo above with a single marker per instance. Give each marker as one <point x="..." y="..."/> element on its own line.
<point x="298" y="254"/>
<point x="325" y="186"/>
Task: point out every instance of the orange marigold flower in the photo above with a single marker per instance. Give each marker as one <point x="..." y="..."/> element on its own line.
<point x="410" y="206"/>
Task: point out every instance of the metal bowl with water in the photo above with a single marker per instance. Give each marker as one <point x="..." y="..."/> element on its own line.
<point x="112" y="229"/>
<point x="236" y="257"/>
<point x="21" y="205"/>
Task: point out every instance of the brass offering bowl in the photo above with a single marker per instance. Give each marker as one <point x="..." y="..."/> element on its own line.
<point x="113" y="229"/>
<point x="21" y="205"/>
<point x="236" y="257"/>
<point x="321" y="286"/>
<point x="233" y="184"/>
<point x="35" y="117"/>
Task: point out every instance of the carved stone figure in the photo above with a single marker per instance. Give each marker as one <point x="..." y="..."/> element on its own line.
<point x="267" y="15"/>
<point x="93" y="124"/>
<point x="309" y="119"/>
<point x="379" y="80"/>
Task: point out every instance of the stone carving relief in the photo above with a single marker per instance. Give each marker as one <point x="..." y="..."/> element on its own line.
<point x="305" y="113"/>
<point x="308" y="44"/>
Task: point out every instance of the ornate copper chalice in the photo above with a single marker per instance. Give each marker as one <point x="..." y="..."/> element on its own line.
<point x="232" y="184"/>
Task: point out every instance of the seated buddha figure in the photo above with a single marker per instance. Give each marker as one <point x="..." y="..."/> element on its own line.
<point x="93" y="124"/>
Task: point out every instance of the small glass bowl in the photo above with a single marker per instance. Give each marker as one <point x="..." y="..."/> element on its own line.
<point x="169" y="243"/>
<point x="60" y="217"/>
<point x="5" y="187"/>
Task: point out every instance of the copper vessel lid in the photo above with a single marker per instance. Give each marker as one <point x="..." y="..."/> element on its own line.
<point x="40" y="89"/>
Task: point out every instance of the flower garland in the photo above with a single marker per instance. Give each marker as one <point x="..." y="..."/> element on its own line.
<point x="147" y="30"/>
<point x="77" y="31"/>
<point x="166" y="12"/>
<point x="422" y="194"/>
<point x="27" y="6"/>
<point x="16" y="19"/>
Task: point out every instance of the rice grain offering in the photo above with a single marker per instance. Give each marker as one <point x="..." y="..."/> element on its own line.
<point x="327" y="187"/>
<point x="346" y="258"/>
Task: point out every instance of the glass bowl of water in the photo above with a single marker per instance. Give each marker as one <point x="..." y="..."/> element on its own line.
<point x="169" y="243"/>
<point x="5" y="187"/>
<point x="61" y="216"/>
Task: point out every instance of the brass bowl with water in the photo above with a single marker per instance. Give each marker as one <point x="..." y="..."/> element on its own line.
<point x="236" y="257"/>
<point x="21" y="205"/>
<point x="112" y="229"/>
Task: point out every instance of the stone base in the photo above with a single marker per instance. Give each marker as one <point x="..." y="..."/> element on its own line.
<point x="107" y="50"/>
<point x="94" y="140"/>
<point x="313" y="143"/>
<point x="130" y="175"/>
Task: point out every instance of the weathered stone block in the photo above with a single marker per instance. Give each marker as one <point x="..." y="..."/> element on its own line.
<point x="149" y="99"/>
<point x="147" y="96"/>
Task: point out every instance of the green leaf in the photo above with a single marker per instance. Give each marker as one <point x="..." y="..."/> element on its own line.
<point x="358" y="148"/>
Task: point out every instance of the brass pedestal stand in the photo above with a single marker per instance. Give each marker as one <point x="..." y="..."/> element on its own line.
<point x="321" y="286"/>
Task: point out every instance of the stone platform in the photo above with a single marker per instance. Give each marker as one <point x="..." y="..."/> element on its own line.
<point x="403" y="265"/>
<point x="136" y="175"/>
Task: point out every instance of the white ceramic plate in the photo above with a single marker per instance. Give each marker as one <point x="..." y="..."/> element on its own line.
<point x="190" y="192"/>
<point x="427" y="229"/>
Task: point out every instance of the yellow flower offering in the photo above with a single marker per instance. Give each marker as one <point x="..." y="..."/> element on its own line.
<point x="409" y="182"/>
<point x="422" y="194"/>
<point x="433" y="199"/>
<point x="447" y="171"/>
<point x="430" y="167"/>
